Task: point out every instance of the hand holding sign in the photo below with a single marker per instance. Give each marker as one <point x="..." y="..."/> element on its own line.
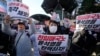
<point x="43" y="53"/>
<point x="30" y="20"/>
<point x="7" y="19"/>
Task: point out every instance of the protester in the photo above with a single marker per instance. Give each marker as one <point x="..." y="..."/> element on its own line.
<point x="36" y="50"/>
<point x="56" y="29"/>
<point x="96" y="34"/>
<point x="4" y="41"/>
<point x="22" y="43"/>
<point x="14" y="23"/>
<point x="46" y="23"/>
<point x="83" y="43"/>
<point x="60" y="28"/>
<point x="53" y="29"/>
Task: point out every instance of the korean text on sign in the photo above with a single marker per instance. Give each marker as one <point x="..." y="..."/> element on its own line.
<point x="52" y="43"/>
<point x="89" y="21"/>
<point x="17" y="9"/>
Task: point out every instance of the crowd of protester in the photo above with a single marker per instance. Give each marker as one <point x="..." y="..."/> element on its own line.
<point x="18" y="38"/>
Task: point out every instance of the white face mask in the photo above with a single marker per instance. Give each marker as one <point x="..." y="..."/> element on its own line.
<point x="53" y="29"/>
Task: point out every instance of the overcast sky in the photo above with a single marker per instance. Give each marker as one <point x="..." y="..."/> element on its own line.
<point x="34" y="6"/>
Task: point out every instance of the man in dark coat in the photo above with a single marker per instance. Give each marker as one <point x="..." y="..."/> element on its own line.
<point x="4" y="42"/>
<point x="83" y="43"/>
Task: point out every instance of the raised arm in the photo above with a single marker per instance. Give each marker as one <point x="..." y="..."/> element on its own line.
<point x="6" y="26"/>
<point x="75" y="37"/>
<point x="32" y="28"/>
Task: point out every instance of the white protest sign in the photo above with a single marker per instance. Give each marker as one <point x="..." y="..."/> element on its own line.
<point x="88" y="21"/>
<point x="55" y="44"/>
<point x="17" y="9"/>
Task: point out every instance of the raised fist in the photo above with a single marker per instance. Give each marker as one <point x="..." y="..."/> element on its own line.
<point x="7" y="19"/>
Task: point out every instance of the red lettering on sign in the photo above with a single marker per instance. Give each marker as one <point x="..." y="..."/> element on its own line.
<point x="18" y="4"/>
<point x="39" y="37"/>
<point x="24" y="6"/>
<point x="14" y="4"/>
<point x="89" y="16"/>
<point x="61" y="38"/>
<point x="51" y="38"/>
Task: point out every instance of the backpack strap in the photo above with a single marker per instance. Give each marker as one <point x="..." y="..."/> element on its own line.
<point x="27" y="33"/>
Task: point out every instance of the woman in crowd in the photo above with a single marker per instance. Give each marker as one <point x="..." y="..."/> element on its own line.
<point x="53" y="28"/>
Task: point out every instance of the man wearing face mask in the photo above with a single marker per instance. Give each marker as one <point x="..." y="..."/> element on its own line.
<point x="22" y="43"/>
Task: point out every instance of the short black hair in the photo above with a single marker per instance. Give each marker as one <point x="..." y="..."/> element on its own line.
<point x="22" y="23"/>
<point x="58" y="23"/>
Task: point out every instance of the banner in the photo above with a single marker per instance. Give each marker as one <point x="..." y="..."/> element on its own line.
<point x="55" y="44"/>
<point x="17" y="10"/>
<point x="88" y="21"/>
